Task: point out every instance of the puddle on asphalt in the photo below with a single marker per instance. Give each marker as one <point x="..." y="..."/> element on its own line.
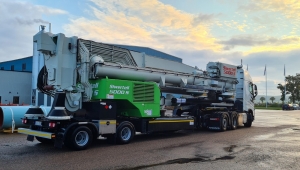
<point x="182" y="161"/>
<point x="230" y="148"/>
<point x="282" y="132"/>
<point x="263" y="137"/>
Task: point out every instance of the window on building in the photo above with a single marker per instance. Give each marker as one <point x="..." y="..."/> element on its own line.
<point x="2" y="68"/>
<point x="23" y="66"/>
<point x="12" y="67"/>
<point x="16" y="100"/>
<point x="33" y="100"/>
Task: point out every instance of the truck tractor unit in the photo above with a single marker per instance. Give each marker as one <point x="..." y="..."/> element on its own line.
<point x="103" y="90"/>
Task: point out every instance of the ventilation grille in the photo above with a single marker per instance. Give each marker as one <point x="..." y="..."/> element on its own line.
<point x="143" y="92"/>
<point x="109" y="53"/>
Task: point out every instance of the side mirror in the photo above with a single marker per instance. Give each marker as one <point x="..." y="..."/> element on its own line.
<point x="255" y="90"/>
<point x="162" y="100"/>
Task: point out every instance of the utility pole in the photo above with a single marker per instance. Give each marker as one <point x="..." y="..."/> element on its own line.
<point x="284" y="83"/>
<point x="265" y="73"/>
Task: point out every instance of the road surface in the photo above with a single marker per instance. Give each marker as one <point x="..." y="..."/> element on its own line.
<point x="273" y="142"/>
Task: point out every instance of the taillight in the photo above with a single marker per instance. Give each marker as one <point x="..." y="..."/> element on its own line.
<point x="24" y="121"/>
<point x="52" y="124"/>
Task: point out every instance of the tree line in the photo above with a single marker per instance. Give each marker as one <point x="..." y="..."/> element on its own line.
<point x="291" y="87"/>
<point x="262" y="99"/>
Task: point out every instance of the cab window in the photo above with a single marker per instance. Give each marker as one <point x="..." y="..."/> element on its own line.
<point x="251" y="88"/>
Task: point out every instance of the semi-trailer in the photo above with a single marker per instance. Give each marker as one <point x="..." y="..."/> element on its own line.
<point x="105" y="90"/>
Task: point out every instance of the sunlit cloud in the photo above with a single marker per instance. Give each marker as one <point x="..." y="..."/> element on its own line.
<point x="290" y="8"/>
<point x="262" y="43"/>
<point x="151" y="23"/>
<point x="274" y="48"/>
<point x="242" y="27"/>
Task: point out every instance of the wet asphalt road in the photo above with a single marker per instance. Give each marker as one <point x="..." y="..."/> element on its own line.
<point x="273" y="142"/>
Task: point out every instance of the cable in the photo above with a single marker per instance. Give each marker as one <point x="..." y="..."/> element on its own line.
<point x="42" y="81"/>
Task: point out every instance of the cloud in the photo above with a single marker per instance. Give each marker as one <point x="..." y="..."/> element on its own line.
<point x="289" y="8"/>
<point x="274" y="61"/>
<point x="30" y="21"/>
<point x="251" y="7"/>
<point x="234" y="25"/>
<point x="18" y="22"/>
<point x="261" y="41"/>
<point x="151" y="23"/>
<point x="204" y="18"/>
<point x="263" y="19"/>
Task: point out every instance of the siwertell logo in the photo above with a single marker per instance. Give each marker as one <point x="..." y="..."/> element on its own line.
<point x="95" y="85"/>
<point x="95" y="92"/>
<point x="148" y="112"/>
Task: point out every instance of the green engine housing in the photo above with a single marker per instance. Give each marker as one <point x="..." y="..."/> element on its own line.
<point x="133" y="98"/>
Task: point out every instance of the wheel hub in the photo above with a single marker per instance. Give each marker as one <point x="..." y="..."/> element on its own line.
<point x="125" y="133"/>
<point x="82" y="138"/>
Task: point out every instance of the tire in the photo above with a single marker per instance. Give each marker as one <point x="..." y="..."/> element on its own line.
<point x="224" y="123"/>
<point x="125" y="132"/>
<point x="44" y="140"/>
<point x="234" y="123"/>
<point x="248" y="124"/>
<point x="80" y="138"/>
<point x="249" y="121"/>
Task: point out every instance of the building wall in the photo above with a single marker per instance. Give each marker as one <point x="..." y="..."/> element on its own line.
<point x="23" y="64"/>
<point x="17" y="84"/>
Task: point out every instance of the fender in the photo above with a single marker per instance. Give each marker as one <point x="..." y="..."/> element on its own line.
<point x="61" y="136"/>
<point x="94" y="127"/>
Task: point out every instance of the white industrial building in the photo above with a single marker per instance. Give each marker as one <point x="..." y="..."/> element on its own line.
<point x="15" y="87"/>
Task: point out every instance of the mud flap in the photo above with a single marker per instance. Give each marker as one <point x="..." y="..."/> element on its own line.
<point x="59" y="141"/>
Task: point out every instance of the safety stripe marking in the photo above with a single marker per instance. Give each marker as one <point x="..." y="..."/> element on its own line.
<point x="103" y="122"/>
<point x="35" y="133"/>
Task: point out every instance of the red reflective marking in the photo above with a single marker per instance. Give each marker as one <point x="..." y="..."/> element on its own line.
<point x="24" y="121"/>
<point x="106" y="107"/>
<point x="51" y="124"/>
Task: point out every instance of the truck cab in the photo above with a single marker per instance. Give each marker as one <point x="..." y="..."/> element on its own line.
<point x="246" y="92"/>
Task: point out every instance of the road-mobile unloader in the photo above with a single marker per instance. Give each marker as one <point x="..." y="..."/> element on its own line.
<point x="108" y="91"/>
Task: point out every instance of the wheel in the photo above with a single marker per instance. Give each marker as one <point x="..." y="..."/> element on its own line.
<point x="44" y="140"/>
<point x="248" y="124"/>
<point x="224" y="123"/>
<point x="234" y="123"/>
<point x="249" y="121"/>
<point x="81" y="138"/>
<point x="125" y="132"/>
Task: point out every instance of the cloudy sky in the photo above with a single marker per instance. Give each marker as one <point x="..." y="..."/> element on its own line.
<point x="260" y="32"/>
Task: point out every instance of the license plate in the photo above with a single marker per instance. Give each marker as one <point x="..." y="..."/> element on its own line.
<point x="38" y="123"/>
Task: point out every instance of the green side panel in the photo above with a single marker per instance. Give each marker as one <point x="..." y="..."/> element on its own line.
<point x="134" y="99"/>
